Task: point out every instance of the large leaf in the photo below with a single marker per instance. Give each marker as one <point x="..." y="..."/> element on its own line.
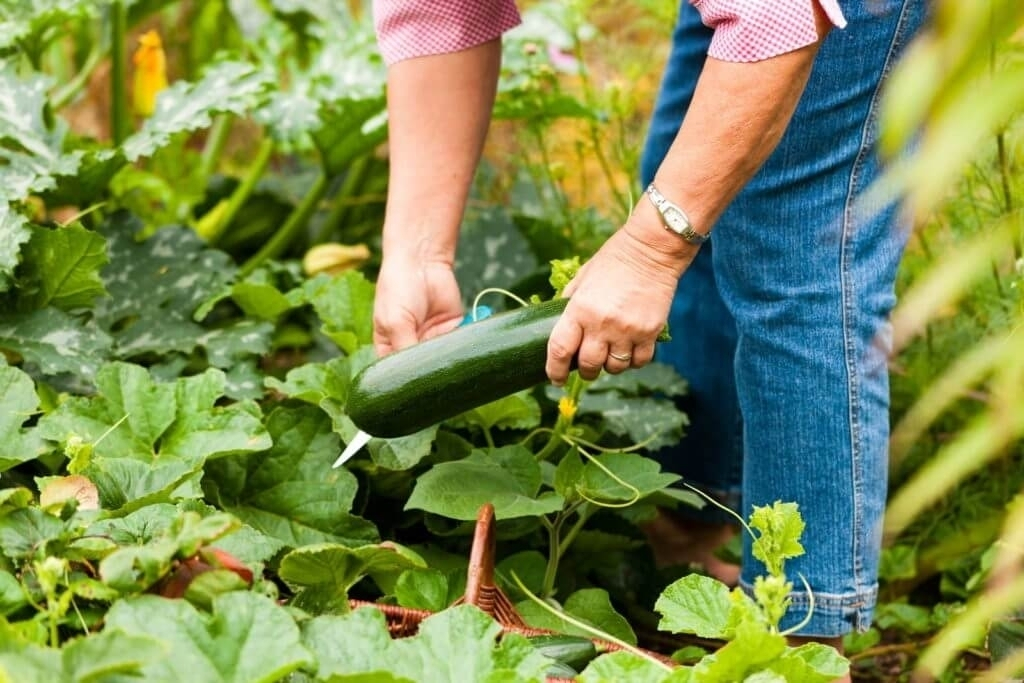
<point x="457" y="644"/>
<point x="113" y="656"/>
<point x="156" y="286"/>
<point x="590" y="605"/>
<point x="226" y="87"/>
<point x="491" y="253"/>
<point x="509" y="478"/>
<point x="247" y="639"/>
<point x="811" y="663"/>
<point x="18" y="402"/>
<point x="33" y="24"/>
<point x="654" y="422"/>
<point x="517" y="411"/>
<point x="55" y="342"/>
<point x="623" y="477"/>
<point x="626" y="666"/>
<point x="13" y="233"/>
<point x="345" y="305"/>
<point x="62" y="267"/>
<point x="323" y="573"/>
<point x="148" y="437"/>
<point x="290" y="492"/>
<point x="695" y="604"/>
<point x="31" y="150"/>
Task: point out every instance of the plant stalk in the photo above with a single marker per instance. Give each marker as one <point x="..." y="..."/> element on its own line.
<point x="554" y="556"/>
<point x="65" y="94"/>
<point x="287" y="233"/>
<point x="214" y="146"/>
<point x="222" y="217"/>
<point x="119" y="112"/>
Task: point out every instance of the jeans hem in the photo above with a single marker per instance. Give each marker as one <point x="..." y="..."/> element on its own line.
<point x="834" y="615"/>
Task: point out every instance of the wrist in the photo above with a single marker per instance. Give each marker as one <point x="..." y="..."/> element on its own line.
<point x="417" y="245"/>
<point x="645" y="226"/>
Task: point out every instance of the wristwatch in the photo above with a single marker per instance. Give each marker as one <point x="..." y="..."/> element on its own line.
<point x="674" y="218"/>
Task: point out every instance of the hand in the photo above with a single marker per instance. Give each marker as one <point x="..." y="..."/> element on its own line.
<point x="416" y="300"/>
<point x="619" y="304"/>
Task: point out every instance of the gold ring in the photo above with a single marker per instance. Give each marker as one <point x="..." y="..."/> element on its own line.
<point x="624" y="357"/>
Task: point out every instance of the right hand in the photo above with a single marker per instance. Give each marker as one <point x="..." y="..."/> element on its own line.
<point x="415" y="300"/>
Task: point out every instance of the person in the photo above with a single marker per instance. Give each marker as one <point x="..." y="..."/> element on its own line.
<point x="763" y="136"/>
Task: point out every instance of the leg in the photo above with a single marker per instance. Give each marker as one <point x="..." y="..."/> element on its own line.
<point x="809" y="280"/>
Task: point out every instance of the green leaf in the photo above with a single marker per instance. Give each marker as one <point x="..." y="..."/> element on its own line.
<point x="13" y="234"/>
<point x="422" y="589"/>
<point x="290" y="492"/>
<point x="12" y="595"/>
<point x="811" y="663"/>
<point x="345" y="306"/>
<point x="404" y="452"/>
<point x="1006" y="636"/>
<point x="527" y="566"/>
<point x="491" y="252"/>
<point x="203" y="590"/>
<point x="225" y="87"/>
<point x="247" y="639"/>
<point x="18" y="403"/>
<point x="15" y="498"/>
<point x="426" y="657"/>
<point x="148" y="438"/>
<point x="28" y="531"/>
<point x="31" y="149"/>
<point x="751" y="650"/>
<point x="64" y="265"/>
<point x="642" y="477"/>
<point x="780" y="526"/>
<point x="507" y="477"/>
<point x="695" y="604"/>
<point x="590" y="605"/>
<point x="109" y="656"/>
<point x="569" y="475"/>
<point x="33" y="25"/>
<point x="322" y="574"/>
<point x="623" y="666"/>
<point x="55" y="342"/>
<point x="516" y="411"/>
<point x="659" y="379"/>
<point x="156" y="286"/>
<point x="655" y="422"/>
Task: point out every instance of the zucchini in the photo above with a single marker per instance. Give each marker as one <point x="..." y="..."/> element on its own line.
<point x="439" y="378"/>
<point x="574" y="652"/>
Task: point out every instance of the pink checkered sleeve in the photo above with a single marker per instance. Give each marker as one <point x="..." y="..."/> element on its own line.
<point x="416" y="28"/>
<point x="752" y="30"/>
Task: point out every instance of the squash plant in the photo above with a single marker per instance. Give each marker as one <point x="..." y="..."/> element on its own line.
<point x="173" y="382"/>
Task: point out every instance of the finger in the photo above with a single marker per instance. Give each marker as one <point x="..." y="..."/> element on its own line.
<point x="592" y="356"/>
<point x="390" y="337"/>
<point x="442" y="326"/>
<point x="619" y="359"/>
<point x="643" y="353"/>
<point x="562" y="347"/>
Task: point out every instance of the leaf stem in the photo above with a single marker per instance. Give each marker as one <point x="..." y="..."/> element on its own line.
<point x="287" y="233"/>
<point x="119" y="113"/>
<point x="66" y="93"/>
<point x="221" y="218"/>
<point x="554" y="555"/>
<point x="595" y="632"/>
<point x="214" y="146"/>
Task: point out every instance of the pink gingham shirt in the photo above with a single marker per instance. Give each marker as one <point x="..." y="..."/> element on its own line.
<point x="745" y="30"/>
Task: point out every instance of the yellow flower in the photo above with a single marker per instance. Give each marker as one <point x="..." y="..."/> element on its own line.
<point x="567" y="407"/>
<point x="150" y="73"/>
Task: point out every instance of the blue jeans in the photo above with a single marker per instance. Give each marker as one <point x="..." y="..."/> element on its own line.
<point x="780" y="325"/>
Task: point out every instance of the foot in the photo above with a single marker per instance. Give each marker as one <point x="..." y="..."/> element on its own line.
<point x="677" y="541"/>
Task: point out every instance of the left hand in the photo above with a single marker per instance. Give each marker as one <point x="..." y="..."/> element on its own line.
<point x="619" y="304"/>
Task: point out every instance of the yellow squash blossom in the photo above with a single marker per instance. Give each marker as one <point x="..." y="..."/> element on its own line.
<point x="567" y="407"/>
<point x="150" y="73"/>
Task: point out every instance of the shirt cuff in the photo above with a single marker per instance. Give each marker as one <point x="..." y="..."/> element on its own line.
<point x="417" y="28"/>
<point x="754" y="30"/>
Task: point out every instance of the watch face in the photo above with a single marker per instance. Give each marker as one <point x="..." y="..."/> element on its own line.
<point x="676" y="219"/>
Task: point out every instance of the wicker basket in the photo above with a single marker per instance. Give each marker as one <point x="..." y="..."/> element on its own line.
<point x="482" y="592"/>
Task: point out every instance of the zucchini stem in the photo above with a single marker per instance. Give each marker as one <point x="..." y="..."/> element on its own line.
<point x="222" y="218"/>
<point x="119" y="113"/>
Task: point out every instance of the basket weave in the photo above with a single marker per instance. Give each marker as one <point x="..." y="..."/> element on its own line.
<point x="481" y="592"/>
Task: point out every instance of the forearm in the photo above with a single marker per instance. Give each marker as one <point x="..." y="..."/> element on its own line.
<point x="439" y="108"/>
<point x="737" y="116"/>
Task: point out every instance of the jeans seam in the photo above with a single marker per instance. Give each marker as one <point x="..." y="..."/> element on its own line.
<point x="847" y="290"/>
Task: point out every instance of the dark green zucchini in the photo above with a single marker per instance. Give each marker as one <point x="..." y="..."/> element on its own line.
<point x="442" y="377"/>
